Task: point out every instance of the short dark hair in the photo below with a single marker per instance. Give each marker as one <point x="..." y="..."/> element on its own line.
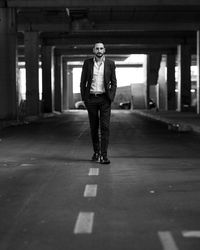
<point x="98" y="42"/>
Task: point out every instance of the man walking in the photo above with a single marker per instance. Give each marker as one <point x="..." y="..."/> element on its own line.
<point x="98" y="87"/>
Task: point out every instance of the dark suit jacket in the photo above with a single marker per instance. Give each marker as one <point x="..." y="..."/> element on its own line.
<point x="110" y="81"/>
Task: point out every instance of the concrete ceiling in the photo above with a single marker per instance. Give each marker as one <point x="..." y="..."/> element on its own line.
<point x="126" y="27"/>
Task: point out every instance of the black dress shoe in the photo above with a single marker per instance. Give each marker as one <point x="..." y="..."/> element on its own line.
<point x="104" y="160"/>
<point x="95" y="157"/>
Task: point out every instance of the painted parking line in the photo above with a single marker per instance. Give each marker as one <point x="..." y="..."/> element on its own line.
<point x="93" y="171"/>
<point x="191" y="234"/>
<point x="84" y="223"/>
<point x="90" y="190"/>
<point x="167" y="240"/>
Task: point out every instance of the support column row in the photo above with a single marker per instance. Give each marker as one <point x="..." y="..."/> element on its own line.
<point x="161" y="83"/>
<point x="52" y="77"/>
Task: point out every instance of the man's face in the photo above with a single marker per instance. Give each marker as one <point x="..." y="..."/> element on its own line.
<point x="99" y="50"/>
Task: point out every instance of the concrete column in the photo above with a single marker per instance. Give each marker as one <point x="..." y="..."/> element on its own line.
<point x="153" y="66"/>
<point x="184" y="78"/>
<point x="8" y="64"/>
<point x="58" y="84"/>
<point x="70" y="98"/>
<point x="148" y="82"/>
<point x="53" y="80"/>
<point x="140" y="91"/>
<point x="198" y="72"/>
<point x="31" y="41"/>
<point x="162" y="83"/>
<point x="65" y="93"/>
<point x="47" y="83"/>
<point x="171" y="84"/>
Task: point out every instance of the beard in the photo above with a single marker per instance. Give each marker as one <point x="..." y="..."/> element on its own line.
<point x="99" y="55"/>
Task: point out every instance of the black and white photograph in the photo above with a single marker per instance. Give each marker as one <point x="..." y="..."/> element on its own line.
<point x="99" y="124"/>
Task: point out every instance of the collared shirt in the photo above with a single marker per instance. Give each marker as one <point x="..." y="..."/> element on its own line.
<point x="97" y="85"/>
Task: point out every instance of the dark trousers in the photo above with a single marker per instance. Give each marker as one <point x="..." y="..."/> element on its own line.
<point x="99" y="109"/>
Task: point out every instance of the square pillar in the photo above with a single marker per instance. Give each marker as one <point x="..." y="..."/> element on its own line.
<point x="65" y="90"/>
<point x="171" y="84"/>
<point x="152" y="72"/>
<point x="162" y="85"/>
<point x="31" y="40"/>
<point x="8" y="64"/>
<point x="58" y="99"/>
<point x="70" y="95"/>
<point x="184" y="78"/>
<point x="47" y="81"/>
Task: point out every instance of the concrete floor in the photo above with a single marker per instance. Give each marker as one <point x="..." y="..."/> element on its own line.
<point x="52" y="197"/>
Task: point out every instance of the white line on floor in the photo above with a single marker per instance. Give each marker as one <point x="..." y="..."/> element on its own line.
<point x="90" y="190"/>
<point x="84" y="223"/>
<point x="26" y="165"/>
<point x="167" y="241"/>
<point x="193" y="233"/>
<point x="93" y="171"/>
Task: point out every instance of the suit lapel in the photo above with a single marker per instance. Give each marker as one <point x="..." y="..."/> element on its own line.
<point x="90" y="73"/>
<point x="91" y="68"/>
<point x="105" y="70"/>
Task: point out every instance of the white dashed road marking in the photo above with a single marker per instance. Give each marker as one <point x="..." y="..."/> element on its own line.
<point x="93" y="171"/>
<point x="84" y="223"/>
<point x="167" y="241"/>
<point x="26" y="165"/>
<point x="90" y="190"/>
<point x="192" y="234"/>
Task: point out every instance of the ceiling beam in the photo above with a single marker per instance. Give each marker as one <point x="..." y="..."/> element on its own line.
<point x="81" y="54"/>
<point x="102" y="3"/>
<point x="146" y="26"/>
<point x="168" y="41"/>
<point x="44" y="27"/>
<point x="115" y="39"/>
<point x="113" y="27"/>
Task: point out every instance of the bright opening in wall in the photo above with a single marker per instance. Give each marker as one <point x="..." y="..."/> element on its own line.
<point x="76" y="79"/>
<point x="22" y="83"/>
<point x="135" y="58"/>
